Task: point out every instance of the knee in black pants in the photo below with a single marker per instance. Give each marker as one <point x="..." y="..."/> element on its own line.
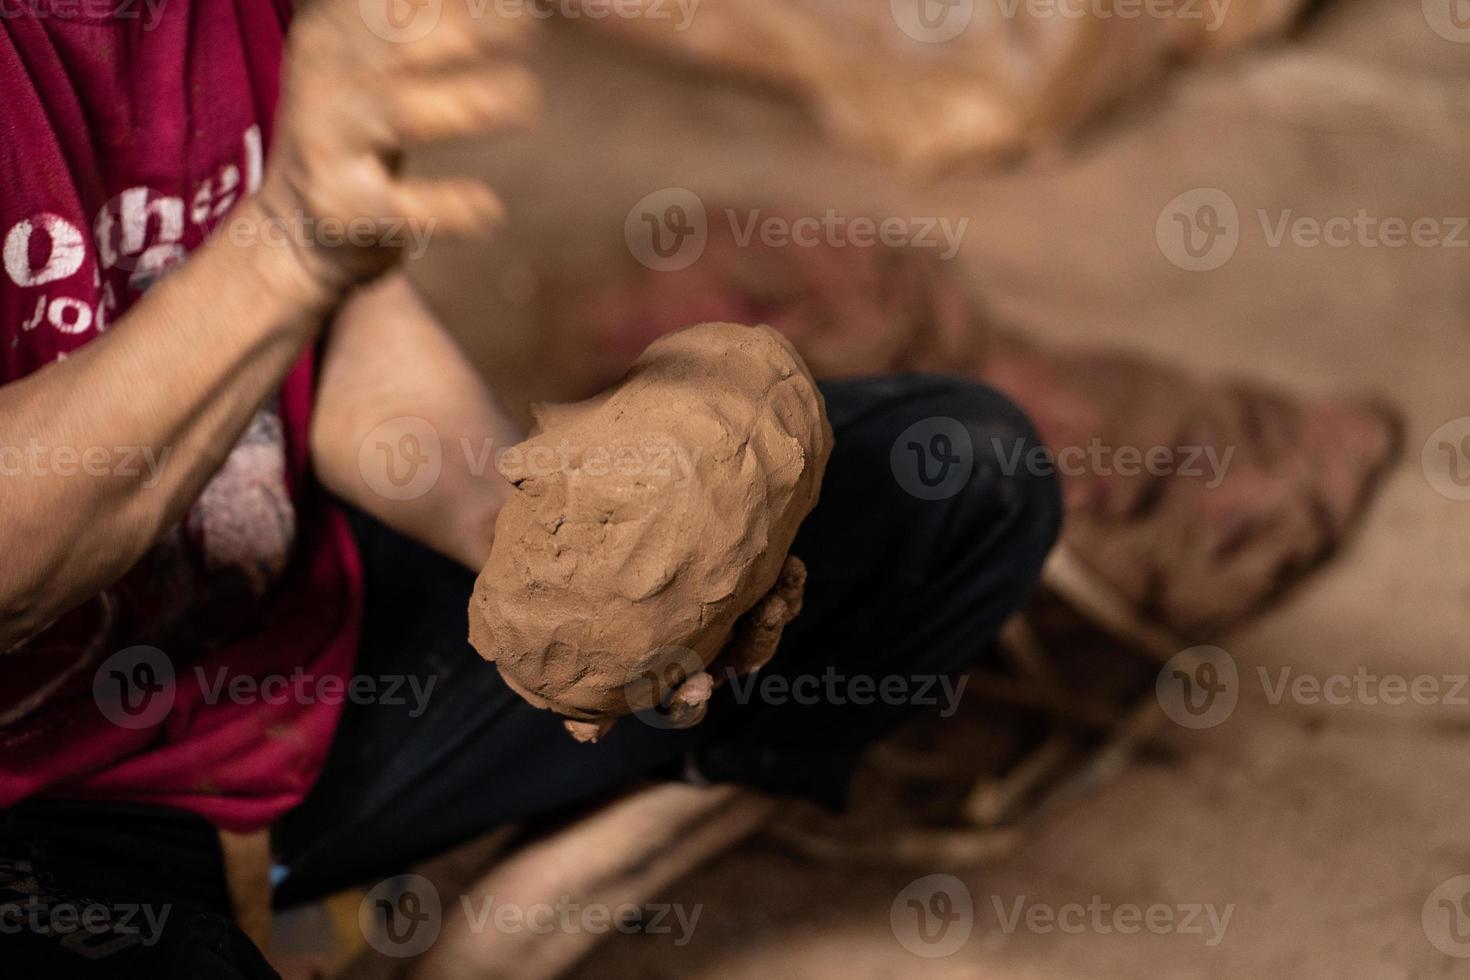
<point x="934" y="522"/>
<point x="1012" y="466"/>
<point x="972" y="477"/>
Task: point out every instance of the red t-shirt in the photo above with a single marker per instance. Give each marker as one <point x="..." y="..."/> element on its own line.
<point x="127" y="131"/>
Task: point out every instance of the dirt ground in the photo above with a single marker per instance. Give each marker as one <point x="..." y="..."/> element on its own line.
<point x="1323" y="829"/>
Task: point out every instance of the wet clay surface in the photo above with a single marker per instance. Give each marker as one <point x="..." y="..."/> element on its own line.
<point x="647" y="522"/>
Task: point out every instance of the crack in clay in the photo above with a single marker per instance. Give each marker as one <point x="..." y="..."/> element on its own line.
<point x="664" y="569"/>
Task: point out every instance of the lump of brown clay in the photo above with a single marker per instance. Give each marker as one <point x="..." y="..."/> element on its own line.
<point x="649" y="534"/>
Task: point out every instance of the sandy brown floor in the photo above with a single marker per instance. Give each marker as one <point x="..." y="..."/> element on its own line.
<point x="1324" y="828"/>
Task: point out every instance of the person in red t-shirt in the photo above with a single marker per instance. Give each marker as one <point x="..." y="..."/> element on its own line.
<point x="228" y="601"/>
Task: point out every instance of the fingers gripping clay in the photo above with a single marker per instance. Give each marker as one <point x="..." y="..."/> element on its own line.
<point x="649" y="534"/>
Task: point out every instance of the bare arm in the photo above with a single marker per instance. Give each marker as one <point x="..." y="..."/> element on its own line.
<point x="178" y="377"/>
<point x="186" y="368"/>
<point x="391" y="374"/>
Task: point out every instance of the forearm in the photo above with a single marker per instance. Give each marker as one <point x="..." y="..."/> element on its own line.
<point x="391" y="374"/>
<point x="175" y="381"/>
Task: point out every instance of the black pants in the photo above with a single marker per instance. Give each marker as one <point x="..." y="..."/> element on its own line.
<point x="929" y="533"/>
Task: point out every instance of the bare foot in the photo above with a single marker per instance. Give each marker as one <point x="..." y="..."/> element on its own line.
<point x="623" y="854"/>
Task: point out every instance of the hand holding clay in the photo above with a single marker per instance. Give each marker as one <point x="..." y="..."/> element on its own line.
<point x="648" y="540"/>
